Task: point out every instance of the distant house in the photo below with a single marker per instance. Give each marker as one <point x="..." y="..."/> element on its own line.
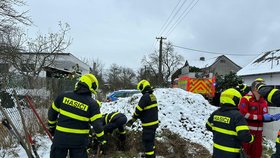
<point x="266" y="66"/>
<point x="220" y="65"/>
<point x="55" y="65"/>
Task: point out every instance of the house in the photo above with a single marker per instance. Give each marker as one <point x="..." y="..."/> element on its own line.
<point x="266" y="66"/>
<point x="220" y="65"/>
<point x="53" y="65"/>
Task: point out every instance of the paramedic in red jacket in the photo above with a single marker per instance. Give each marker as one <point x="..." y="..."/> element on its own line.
<point x="255" y="110"/>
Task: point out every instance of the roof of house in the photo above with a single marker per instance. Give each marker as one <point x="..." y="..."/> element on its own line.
<point x="208" y="62"/>
<point x="65" y="62"/>
<point x="267" y="62"/>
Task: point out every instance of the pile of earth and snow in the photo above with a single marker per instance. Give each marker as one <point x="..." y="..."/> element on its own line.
<point x="181" y="112"/>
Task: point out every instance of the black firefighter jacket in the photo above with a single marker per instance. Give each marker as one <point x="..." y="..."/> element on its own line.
<point x="147" y="110"/>
<point x="229" y="129"/>
<point x="72" y="113"/>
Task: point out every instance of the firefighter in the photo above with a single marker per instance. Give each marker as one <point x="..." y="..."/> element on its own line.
<point x="243" y="88"/>
<point x="147" y="112"/>
<point x="272" y="95"/>
<point x="70" y="117"/>
<point x="115" y="121"/>
<point x="229" y="127"/>
<point x="255" y="110"/>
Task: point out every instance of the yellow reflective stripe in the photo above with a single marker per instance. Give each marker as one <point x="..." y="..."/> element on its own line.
<point x="106" y="118"/>
<point x="150" y="153"/>
<point x="252" y="139"/>
<point x="150" y="106"/>
<point x="72" y="130"/>
<point x="247" y="97"/>
<point x="96" y="116"/>
<point x="139" y="108"/>
<point x="241" y="128"/>
<point x="122" y="132"/>
<point x="99" y="103"/>
<point x="73" y="116"/>
<point x="150" y="123"/>
<point x="209" y="124"/>
<point x="269" y="97"/>
<point x="277" y="140"/>
<point x="113" y="116"/>
<point x="225" y="148"/>
<point x="100" y="134"/>
<point x="244" y="87"/>
<point x="54" y="107"/>
<point x="52" y="122"/>
<point x="135" y="114"/>
<point x="224" y="131"/>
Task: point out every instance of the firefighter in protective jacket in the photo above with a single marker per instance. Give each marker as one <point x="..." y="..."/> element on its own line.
<point x="112" y="121"/>
<point x="272" y="95"/>
<point x="228" y="126"/>
<point x="147" y="112"/>
<point x="70" y="117"/>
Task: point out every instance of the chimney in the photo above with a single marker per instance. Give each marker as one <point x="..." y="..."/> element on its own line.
<point x="202" y="58"/>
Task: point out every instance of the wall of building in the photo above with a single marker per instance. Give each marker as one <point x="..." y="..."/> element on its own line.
<point x="270" y="79"/>
<point x="223" y="66"/>
<point x="271" y="128"/>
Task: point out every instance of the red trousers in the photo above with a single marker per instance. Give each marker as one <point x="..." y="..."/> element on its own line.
<point x="254" y="149"/>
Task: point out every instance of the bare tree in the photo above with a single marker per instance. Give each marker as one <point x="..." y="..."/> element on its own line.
<point x="10" y="17"/>
<point x="119" y="77"/>
<point x="170" y="62"/>
<point x="29" y="56"/>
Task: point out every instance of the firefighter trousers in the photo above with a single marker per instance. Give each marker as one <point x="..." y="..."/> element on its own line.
<point x="148" y="139"/>
<point x="61" y="152"/>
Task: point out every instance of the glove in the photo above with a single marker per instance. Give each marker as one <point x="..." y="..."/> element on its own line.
<point x="130" y="122"/>
<point x="276" y="117"/>
<point x="103" y="147"/>
<point x="267" y="117"/>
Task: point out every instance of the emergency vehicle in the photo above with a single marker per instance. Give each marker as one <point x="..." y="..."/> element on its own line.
<point x="197" y="83"/>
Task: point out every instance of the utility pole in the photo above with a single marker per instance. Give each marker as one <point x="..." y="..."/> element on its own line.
<point x="160" y="56"/>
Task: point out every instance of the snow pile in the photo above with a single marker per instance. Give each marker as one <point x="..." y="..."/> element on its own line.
<point x="181" y="112"/>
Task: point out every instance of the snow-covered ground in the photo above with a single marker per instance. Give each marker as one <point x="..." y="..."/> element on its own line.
<point x="181" y="112"/>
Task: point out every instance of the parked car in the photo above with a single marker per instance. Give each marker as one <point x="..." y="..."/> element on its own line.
<point x="121" y="94"/>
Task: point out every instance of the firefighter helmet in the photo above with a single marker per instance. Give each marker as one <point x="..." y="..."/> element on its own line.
<point x="259" y="80"/>
<point x="230" y="96"/>
<point x="89" y="81"/>
<point x="142" y="85"/>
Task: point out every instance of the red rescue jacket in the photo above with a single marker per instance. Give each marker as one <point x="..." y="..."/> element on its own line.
<point x="253" y="111"/>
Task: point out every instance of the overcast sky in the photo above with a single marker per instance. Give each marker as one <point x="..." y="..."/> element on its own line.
<point x="123" y="31"/>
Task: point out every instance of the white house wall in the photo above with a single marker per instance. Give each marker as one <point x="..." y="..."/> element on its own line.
<point x="270" y="79"/>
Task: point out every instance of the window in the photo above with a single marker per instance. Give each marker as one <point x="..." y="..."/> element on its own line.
<point x="222" y="61"/>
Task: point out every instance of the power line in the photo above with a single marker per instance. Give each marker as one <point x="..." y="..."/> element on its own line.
<point x="211" y="52"/>
<point x="183" y="15"/>
<point x="169" y="20"/>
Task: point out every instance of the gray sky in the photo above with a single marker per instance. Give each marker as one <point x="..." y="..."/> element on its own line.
<point x="123" y="31"/>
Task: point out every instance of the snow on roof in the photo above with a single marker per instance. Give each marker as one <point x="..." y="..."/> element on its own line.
<point x="181" y="112"/>
<point x="267" y="62"/>
<point x="202" y="63"/>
